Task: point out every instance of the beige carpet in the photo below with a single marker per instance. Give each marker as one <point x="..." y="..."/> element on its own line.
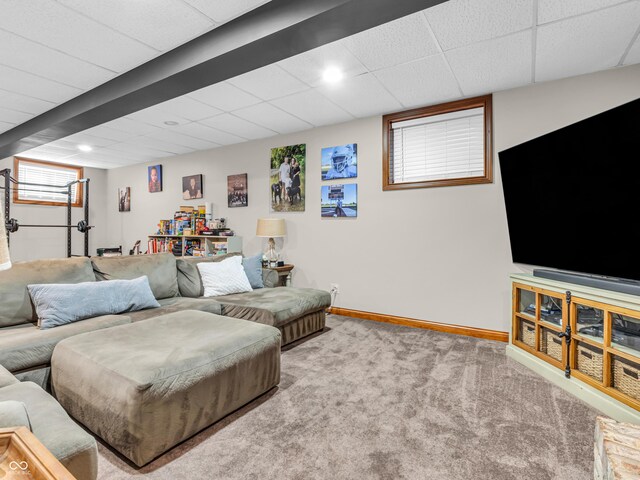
<point x="366" y="400"/>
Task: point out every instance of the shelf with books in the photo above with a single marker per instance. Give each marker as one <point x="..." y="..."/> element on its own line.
<point x="194" y="245"/>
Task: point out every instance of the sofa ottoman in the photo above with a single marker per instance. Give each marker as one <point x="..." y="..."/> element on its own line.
<point x="147" y="386"/>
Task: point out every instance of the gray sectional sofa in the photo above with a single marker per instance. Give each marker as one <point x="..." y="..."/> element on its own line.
<point x="26" y="351"/>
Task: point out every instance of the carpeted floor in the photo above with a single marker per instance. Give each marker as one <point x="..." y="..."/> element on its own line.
<point x="366" y="400"/>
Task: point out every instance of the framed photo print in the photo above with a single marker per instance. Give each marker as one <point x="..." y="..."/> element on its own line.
<point x="154" y="177"/>
<point x="287" y="174"/>
<point x="124" y="199"/>
<point x="237" y="190"/>
<point x="339" y="200"/>
<point x="192" y="187"/>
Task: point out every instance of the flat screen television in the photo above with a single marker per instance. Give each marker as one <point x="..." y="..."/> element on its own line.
<point x="573" y="196"/>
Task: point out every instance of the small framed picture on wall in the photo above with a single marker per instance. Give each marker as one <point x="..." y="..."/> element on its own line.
<point x="154" y="177"/>
<point x="192" y="187"/>
<point x="237" y="190"/>
<point x="124" y="199"/>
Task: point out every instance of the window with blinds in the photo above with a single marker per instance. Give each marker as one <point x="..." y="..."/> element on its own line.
<point x="44" y="183"/>
<point x="446" y="144"/>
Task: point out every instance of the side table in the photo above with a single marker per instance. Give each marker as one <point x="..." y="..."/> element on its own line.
<point x="284" y="274"/>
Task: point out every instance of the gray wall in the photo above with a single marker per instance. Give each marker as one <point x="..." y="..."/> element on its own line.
<point x="439" y="254"/>
<point x="35" y="243"/>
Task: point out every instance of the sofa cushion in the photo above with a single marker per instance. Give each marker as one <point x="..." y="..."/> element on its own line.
<point x="253" y="268"/>
<point x="6" y="377"/>
<point x="13" y="414"/>
<point x="224" y="278"/>
<point x="189" y="280"/>
<point x="159" y="268"/>
<point x="177" y="304"/>
<point x="274" y="306"/>
<point x="70" y="444"/>
<point x="14" y="297"/>
<point x="26" y="346"/>
<point x="57" y="304"/>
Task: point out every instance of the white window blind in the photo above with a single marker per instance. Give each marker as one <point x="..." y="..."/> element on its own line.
<point x="437" y="147"/>
<point x="46" y="175"/>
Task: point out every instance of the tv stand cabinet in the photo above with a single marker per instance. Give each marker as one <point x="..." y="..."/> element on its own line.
<point x="584" y="339"/>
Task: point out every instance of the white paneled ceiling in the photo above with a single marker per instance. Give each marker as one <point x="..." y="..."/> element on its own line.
<point x="457" y="49"/>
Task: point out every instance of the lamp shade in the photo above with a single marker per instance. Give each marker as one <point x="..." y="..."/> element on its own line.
<point x="271" y="227"/>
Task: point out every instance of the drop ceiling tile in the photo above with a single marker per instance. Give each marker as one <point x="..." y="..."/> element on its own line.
<point x="422" y="82"/>
<point x="93" y="141"/>
<point x="400" y="41"/>
<point x="223" y="10"/>
<point x="268" y="83"/>
<point x="361" y="96"/>
<point x="156" y="144"/>
<point x="107" y="133"/>
<point x="550" y="10"/>
<point x="167" y="24"/>
<point x="634" y="53"/>
<point x="497" y="64"/>
<point x="312" y="107"/>
<point x="135" y="151"/>
<point x="156" y="117"/>
<point x="131" y="127"/>
<point x="56" y="26"/>
<point x="587" y="43"/>
<point x="45" y="62"/>
<point x="11" y="116"/>
<point x="188" y="108"/>
<point x="309" y="66"/>
<point x="271" y="117"/>
<point x="461" y="22"/>
<point x="207" y="133"/>
<point x="224" y="96"/>
<point x="33" y="86"/>
<point x="169" y="135"/>
<point x="22" y="103"/>
<point x="237" y="126"/>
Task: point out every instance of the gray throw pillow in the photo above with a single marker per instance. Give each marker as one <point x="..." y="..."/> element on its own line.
<point x="13" y="414"/>
<point x="253" y="269"/>
<point x="58" y="304"/>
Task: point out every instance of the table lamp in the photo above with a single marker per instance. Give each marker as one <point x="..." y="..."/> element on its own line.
<point x="271" y="228"/>
<point x="5" y="260"/>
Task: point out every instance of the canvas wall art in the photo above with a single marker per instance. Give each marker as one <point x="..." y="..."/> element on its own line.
<point x="339" y="200"/>
<point x="237" y="195"/>
<point x="154" y="175"/>
<point x="124" y="199"/>
<point x="287" y="184"/>
<point x="192" y="187"/>
<point x="339" y="162"/>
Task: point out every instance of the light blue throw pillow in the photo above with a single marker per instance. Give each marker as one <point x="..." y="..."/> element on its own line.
<point x="253" y="269"/>
<point x="58" y="304"/>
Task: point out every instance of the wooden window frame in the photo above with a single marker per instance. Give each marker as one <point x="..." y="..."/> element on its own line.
<point x="458" y="105"/>
<point x="16" y="168"/>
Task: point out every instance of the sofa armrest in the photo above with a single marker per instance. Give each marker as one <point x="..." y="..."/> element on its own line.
<point x="6" y="377"/>
<point x="270" y="278"/>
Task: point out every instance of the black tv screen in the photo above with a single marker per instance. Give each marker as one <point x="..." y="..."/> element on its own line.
<point x="573" y="196"/>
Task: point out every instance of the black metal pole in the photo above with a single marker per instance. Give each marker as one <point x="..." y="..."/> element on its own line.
<point x="69" y="221"/>
<point x="567" y="337"/>
<point x="86" y="217"/>
<point x="7" y="208"/>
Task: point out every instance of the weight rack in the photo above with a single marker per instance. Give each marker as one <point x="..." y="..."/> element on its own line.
<point x="12" y="224"/>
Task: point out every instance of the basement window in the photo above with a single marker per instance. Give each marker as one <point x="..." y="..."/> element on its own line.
<point x="40" y="174"/>
<point x="441" y="145"/>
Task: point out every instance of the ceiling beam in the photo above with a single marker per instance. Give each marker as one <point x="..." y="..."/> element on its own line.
<point x="268" y="34"/>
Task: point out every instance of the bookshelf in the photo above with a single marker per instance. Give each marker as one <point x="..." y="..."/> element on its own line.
<point x="195" y="245"/>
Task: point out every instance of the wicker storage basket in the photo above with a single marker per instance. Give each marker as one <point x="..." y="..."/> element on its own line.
<point x="527" y="334"/>
<point x="626" y="376"/>
<point x="589" y="360"/>
<point x="551" y="344"/>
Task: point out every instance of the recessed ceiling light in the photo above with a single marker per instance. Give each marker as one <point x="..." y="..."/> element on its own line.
<point x="332" y="75"/>
<point x="171" y="123"/>
<point x="84" y="148"/>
